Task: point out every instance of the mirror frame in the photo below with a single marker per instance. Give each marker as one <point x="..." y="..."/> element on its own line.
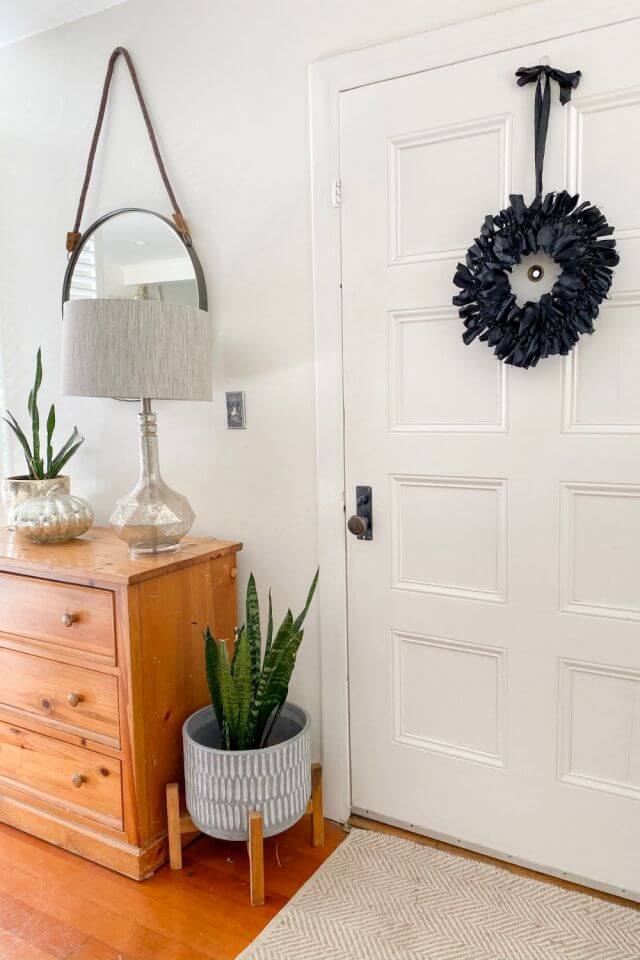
<point x="202" y="287"/>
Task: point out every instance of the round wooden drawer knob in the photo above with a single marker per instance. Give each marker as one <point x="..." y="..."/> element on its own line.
<point x="74" y="699"/>
<point x="78" y="779"/>
<point x="69" y="619"/>
<point x="234" y="573"/>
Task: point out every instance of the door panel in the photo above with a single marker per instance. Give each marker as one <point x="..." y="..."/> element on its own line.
<point x="494" y="618"/>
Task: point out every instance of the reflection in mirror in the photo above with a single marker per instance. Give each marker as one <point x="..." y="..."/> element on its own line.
<point x="134" y="255"/>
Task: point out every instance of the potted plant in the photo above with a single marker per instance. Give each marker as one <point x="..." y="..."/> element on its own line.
<point x="249" y="750"/>
<point x="43" y="471"/>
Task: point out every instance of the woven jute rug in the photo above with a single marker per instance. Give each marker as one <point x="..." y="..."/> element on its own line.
<point x="382" y="898"/>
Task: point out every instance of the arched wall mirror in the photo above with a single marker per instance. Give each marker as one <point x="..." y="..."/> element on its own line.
<point x="135" y="254"/>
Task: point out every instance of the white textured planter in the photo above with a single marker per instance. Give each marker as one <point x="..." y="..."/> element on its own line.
<point x="223" y="786"/>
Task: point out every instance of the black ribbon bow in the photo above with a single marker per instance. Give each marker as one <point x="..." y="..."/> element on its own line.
<point x="567" y="82"/>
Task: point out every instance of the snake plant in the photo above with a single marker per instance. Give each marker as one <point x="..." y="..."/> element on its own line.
<point x="38" y="468"/>
<point x="249" y="690"/>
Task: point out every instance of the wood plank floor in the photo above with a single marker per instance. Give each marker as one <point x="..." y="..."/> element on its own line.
<point x="56" y="905"/>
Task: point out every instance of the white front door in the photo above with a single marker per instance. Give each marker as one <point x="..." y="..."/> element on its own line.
<point x="494" y="618"/>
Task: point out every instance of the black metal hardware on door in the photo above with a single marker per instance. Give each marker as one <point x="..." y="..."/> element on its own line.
<point x="361" y="523"/>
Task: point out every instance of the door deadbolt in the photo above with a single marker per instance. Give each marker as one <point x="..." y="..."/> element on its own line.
<point x="361" y="523"/>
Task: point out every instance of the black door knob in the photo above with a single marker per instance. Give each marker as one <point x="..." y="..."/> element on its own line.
<point x="357" y="525"/>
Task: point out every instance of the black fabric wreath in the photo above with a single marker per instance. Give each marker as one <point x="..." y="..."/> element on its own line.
<point x="570" y="234"/>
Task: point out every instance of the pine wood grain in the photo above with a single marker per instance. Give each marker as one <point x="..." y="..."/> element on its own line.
<point x="60" y="773"/>
<point x="102" y="558"/>
<point x="50" y="903"/>
<point x="63" y="697"/>
<point x="173" y="825"/>
<point x="131" y="658"/>
<point x="317" y="806"/>
<point x="132" y="734"/>
<point x="255" y="849"/>
<point x="173" y="611"/>
<point x="34" y="608"/>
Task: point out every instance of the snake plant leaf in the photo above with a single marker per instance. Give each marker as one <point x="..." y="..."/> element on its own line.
<point x="35" y="427"/>
<point x="61" y="461"/>
<point x="297" y="624"/>
<point x="277" y="687"/>
<point x="279" y="644"/>
<point x="211" y="667"/>
<point x="69" y="443"/>
<point x="32" y="406"/>
<point x="51" y="425"/>
<point x="242" y="681"/>
<point x="269" y="639"/>
<point x="280" y="641"/>
<point x="236" y="634"/>
<point x="253" y="631"/>
<point x="282" y="636"/>
<point x="24" y="443"/>
<point x="228" y="696"/>
<point x="36" y="464"/>
<point x="38" y="376"/>
<point x="247" y="707"/>
<point x="66" y="452"/>
<point x="272" y="720"/>
<point x="270" y="659"/>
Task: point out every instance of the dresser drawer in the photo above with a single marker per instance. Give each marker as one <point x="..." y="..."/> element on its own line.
<point x="61" y="774"/>
<point x="74" y="699"/>
<point x="77" y="619"/>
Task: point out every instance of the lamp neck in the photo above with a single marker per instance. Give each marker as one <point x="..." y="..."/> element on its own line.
<point x="149" y="457"/>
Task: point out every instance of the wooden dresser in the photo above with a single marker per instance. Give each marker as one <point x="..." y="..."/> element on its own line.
<point x="101" y="661"/>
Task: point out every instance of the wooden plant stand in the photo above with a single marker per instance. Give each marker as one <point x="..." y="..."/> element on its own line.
<point x="180" y="824"/>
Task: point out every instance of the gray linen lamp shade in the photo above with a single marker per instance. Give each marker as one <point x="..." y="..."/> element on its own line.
<point x="136" y="348"/>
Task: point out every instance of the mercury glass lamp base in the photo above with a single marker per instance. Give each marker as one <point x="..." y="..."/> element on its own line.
<point x="146" y="551"/>
<point x="153" y="518"/>
<point x="152" y="521"/>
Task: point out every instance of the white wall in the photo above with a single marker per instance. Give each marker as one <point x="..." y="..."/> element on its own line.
<point x="24" y="19"/>
<point x="226" y="83"/>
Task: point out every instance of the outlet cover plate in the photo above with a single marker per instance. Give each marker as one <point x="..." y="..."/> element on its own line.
<point x="236" y="413"/>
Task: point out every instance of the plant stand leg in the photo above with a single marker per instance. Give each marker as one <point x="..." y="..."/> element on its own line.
<point x="255" y="845"/>
<point x="317" y="810"/>
<point x="173" y="826"/>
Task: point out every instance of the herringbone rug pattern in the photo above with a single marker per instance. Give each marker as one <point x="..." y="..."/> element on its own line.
<point x="382" y="898"/>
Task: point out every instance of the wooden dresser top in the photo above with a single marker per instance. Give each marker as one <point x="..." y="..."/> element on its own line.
<point x="99" y="557"/>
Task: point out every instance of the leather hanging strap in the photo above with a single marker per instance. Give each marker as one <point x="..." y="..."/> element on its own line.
<point x="567" y="83"/>
<point x="73" y="237"/>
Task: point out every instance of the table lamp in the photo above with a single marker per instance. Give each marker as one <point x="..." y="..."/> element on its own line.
<point x="145" y="349"/>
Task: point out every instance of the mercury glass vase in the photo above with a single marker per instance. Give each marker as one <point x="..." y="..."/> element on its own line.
<point x="153" y="518"/>
<point x="53" y="518"/>
<point x="17" y="489"/>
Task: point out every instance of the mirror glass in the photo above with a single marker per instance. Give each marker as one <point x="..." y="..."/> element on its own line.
<point x="134" y="255"/>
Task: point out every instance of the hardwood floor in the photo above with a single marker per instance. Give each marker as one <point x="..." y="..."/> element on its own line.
<point x="56" y="905"/>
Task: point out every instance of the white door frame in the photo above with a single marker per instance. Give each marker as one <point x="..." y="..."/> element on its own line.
<point x="536" y="22"/>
